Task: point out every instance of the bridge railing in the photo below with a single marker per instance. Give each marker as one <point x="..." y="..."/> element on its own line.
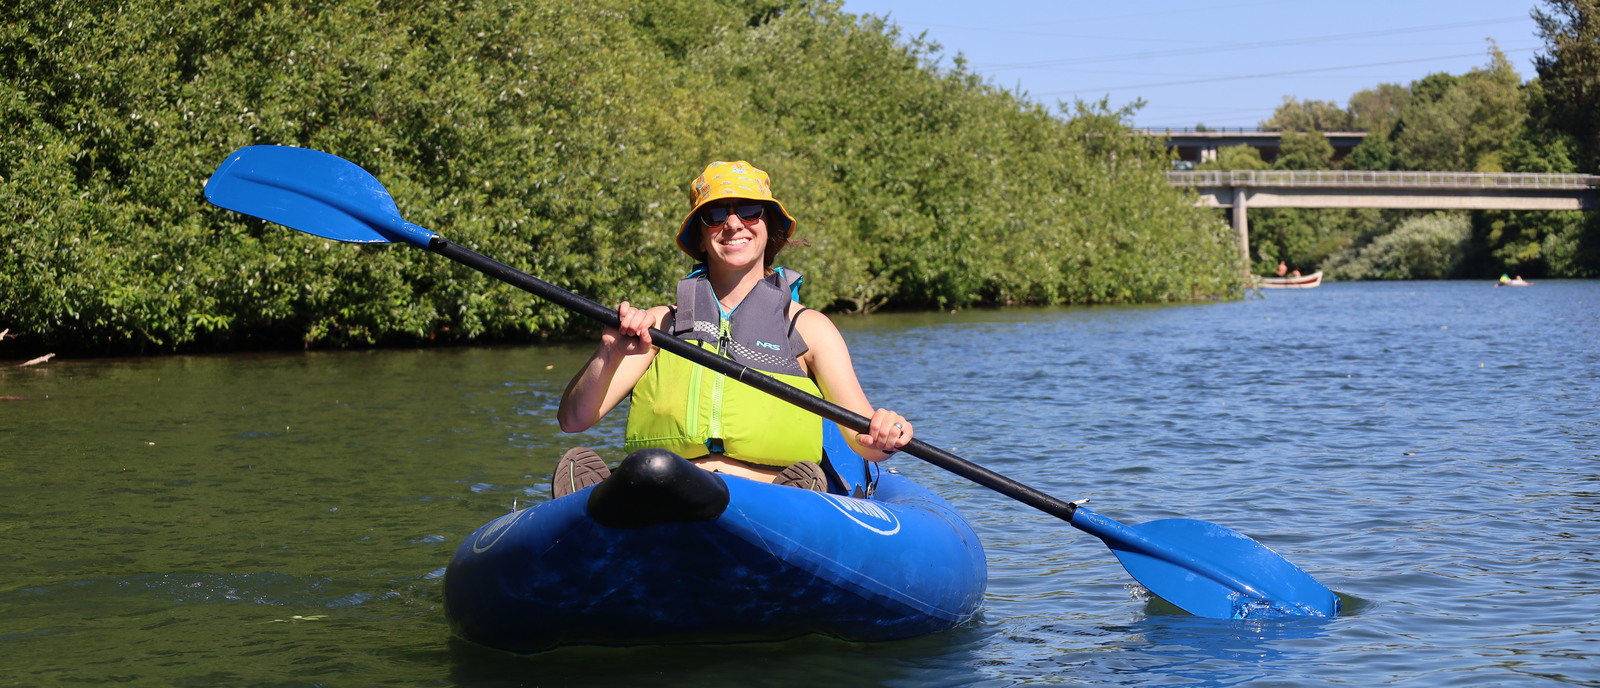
<point x="1192" y="131"/>
<point x="1358" y="179"/>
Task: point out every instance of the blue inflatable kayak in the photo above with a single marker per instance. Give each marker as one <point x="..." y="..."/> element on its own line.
<point x="664" y="552"/>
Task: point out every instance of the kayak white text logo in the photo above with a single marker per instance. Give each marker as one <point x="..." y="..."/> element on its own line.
<point x="491" y="533"/>
<point x="882" y="521"/>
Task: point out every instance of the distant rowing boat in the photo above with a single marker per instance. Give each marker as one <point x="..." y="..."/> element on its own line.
<point x="1299" y="282"/>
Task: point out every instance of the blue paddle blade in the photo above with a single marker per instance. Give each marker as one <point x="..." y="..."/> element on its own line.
<point x="1210" y="571"/>
<point x="313" y="192"/>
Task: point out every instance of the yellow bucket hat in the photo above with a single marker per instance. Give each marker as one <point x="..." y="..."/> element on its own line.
<point x="738" y="179"/>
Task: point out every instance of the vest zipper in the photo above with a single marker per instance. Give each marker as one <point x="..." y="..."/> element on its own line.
<point x="724" y="338"/>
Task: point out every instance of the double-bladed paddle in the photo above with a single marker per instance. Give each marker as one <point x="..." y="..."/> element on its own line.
<point x="1202" y="568"/>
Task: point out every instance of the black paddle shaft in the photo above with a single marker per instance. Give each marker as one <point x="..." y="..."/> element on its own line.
<point x="822" y="407"/>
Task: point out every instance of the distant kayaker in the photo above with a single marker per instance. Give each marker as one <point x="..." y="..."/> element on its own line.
<point x="737" y="303"/>
<point x="1508" y="281"/>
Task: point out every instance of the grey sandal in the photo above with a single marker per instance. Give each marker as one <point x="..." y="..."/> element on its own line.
<point x="578" y="468"/>
<point x="806" y="475"/>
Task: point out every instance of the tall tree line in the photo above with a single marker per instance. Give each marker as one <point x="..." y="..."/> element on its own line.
<point x="558" y="137"/>
<point x="1487" y="120"/>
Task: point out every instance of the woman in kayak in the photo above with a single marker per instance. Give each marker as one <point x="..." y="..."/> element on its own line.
<point x="735" y="303"/>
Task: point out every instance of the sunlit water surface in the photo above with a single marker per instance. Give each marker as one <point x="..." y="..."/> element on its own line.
<point x="1430" y="451"/>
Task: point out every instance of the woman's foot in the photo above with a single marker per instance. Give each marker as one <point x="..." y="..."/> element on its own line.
<point x="806" y="475"/>
<point x="578" y="468"/>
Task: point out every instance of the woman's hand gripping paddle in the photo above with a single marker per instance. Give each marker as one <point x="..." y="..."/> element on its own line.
<point x="1202" y="568"/>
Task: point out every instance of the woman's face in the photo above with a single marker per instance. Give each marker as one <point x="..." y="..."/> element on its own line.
<point x="734" y="232"/>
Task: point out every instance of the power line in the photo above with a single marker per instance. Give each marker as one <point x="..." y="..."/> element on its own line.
<point x="1233" y="46"/>
<point x="1238" y="77"/>
<point x="1084" y="20"/>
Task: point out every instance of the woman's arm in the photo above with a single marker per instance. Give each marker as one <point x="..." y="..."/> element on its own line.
<point x="828" y="361"/>
<point x="616" y="366"/>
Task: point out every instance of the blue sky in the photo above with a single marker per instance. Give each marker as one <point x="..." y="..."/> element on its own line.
<point x="1224" y="63"/>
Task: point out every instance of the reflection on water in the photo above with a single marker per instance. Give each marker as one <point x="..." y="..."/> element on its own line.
<point x="1186" y="649"/>
<point x="1430" y="451"/>
<point x="805" y="661"/>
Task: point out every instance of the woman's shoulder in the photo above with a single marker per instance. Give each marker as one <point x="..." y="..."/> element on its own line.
<point x="800" y="313"/>
<point x="811" y="323"/>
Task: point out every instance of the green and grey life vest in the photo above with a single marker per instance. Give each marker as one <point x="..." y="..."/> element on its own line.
<point x="687" y="409"/>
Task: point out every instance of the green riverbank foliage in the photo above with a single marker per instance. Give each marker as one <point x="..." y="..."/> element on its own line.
<point x="1487" y="120"/>
<point x="1423" y="247"/>
<point x="556" y="137"/>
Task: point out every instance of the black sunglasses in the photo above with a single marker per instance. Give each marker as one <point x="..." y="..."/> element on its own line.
<point x="717" y="216"/>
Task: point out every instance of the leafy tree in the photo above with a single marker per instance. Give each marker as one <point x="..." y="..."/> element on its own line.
<point x="1376" y="110"/>
<point x="1432" y="88"/>
<point x="1461" y="123"/>
<point x="1569" y="72"/>
<point x="1566" y="107"/>
<point x="1534" y="243"/>
<point x="1540" y="146"/>
<point x="1308" y="115"/>
<point x="1499" y="106"/>
<point x="1304" y="151"/>
<point x="1375" y="153"/>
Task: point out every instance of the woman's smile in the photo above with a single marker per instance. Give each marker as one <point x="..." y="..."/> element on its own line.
<point x="736" y="238"/>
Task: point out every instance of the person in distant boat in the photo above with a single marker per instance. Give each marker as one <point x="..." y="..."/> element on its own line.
<point x="736" y="302"/>
<point x="1507" y="281"/>
<point x="1295" y="273"/>
<point x="1282" y="269"/>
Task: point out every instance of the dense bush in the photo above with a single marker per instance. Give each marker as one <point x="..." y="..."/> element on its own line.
<point x="1426" y="247"/>
<point x="556" y="137"/>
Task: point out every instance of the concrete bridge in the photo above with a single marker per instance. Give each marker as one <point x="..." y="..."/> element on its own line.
<point x="1240" y="190"/>
<point x="1201" y="146"/>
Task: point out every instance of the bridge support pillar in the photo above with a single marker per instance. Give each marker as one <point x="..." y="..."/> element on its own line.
<point x="1241" y="225"/>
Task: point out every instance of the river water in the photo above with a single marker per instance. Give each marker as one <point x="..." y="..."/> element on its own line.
<point x="1428" y="450"/>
